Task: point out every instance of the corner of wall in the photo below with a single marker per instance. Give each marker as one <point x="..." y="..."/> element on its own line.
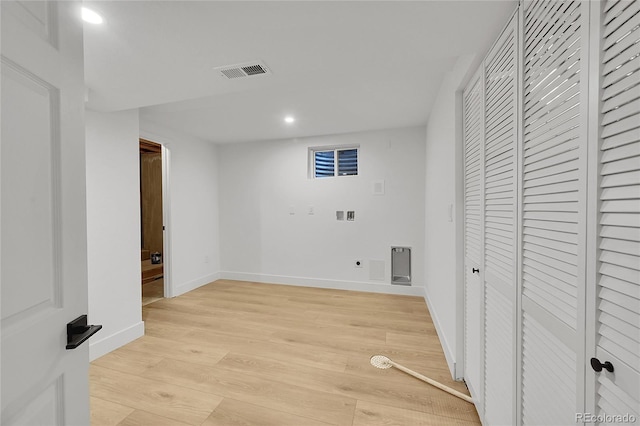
<point x="443" y="190"/>
<point x="193" y="284"/>
<point x="114" y="298"/>
<point x="449" y="354"/>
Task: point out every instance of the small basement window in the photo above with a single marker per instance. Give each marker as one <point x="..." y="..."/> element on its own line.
<point x="334" y="162"/>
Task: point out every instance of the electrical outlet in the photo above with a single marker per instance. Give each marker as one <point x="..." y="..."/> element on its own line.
<point x="206" y="259"/>
<point x="358" y="263"/>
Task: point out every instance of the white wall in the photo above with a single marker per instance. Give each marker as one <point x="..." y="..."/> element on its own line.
<point x="264" y="181"/>
<point x="113" y="229"/>
<point x="113" y="221"/>
<point x="194" y="225"/>
<point x="443" y="188"/>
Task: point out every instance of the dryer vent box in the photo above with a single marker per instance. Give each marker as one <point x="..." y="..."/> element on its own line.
<point x="401" y="265"/>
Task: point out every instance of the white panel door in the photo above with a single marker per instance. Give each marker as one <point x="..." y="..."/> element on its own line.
<point x="500" y="232"/>
<point x="553" y="212"/>
<point x="43" y="225"/>
<point x="473" y="104"/>
<point x="617" y="293"/>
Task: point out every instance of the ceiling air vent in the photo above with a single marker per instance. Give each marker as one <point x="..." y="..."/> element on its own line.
<point x="248" y="69"/>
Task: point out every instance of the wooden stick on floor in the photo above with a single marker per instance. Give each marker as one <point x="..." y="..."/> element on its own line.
<point x="380" y="361"/>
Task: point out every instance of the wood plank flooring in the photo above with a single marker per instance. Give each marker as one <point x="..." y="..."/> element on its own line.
<point x="242" y="353"/>
<point x="152" y="291"/>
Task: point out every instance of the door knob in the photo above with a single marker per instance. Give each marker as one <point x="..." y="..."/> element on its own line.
<point x="475" y="271"/>
<point x="598" y="366"/>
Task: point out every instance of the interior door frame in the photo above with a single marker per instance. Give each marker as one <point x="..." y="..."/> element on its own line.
<point x="166" y="210"/>
<point x="166" y="221"/>
<point x="459" y="206"/>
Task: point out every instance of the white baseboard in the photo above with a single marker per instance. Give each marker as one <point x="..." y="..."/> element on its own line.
<point x="192" y="285"/>
<point x="323" y="283"/>
<point x="110" y="343"/>
<point x="448" y="353"/>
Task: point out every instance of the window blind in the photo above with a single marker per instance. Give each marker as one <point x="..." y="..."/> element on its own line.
<point x="324" y="164"/>
<point x="347" y="162"/>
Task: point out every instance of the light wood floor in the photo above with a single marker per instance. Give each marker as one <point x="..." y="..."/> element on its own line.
<point x="240" y="353"/>
<point x="152" y="291"/>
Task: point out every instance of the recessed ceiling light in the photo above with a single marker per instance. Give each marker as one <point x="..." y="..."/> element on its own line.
<point x="90" y="16"/>
<point x="289" y="119"/>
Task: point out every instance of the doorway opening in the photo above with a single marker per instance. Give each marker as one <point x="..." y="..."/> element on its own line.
<point x="151" y="222"/>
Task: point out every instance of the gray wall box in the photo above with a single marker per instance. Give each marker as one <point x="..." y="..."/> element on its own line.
<point x="401" y="265"/>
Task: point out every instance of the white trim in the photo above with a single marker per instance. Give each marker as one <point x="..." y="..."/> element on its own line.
<point x="480" y="401"/>
<point x="582" y="255"/>
<point x="193" y="284"/>
<point x="458" y="372"/>
<point x="594" y="181"/>
<point x="519" y="198"/>
<point x="413" y="290"/>
<point x="446" y="348"/>
<point x="166" y="222"/>
<point x="165" y="143"/>
<point x="120" y="338"/>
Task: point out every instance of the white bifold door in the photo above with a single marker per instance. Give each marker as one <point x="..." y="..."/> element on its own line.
<point x="614" y="329"/>
<point x="500" y="236"/>
<point x="490" y="139"/>
<point x="552" y="176"/>
<point x="553" y="200"/>
<point x="473" y="101"/>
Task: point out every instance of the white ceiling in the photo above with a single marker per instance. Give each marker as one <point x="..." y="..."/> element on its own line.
<point x="337" y="66"/>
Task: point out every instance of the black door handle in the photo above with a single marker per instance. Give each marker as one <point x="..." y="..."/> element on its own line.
<point x="598" y="366"/>
<point x="78" y="331"/>
<point x="475" y="271"/>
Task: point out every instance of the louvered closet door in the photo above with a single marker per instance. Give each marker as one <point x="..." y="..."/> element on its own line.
<point x="618" y="290"/>
<point x="500" y="228"/>
<point x="553" y="218"/>
<point x="473" y="189"/>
